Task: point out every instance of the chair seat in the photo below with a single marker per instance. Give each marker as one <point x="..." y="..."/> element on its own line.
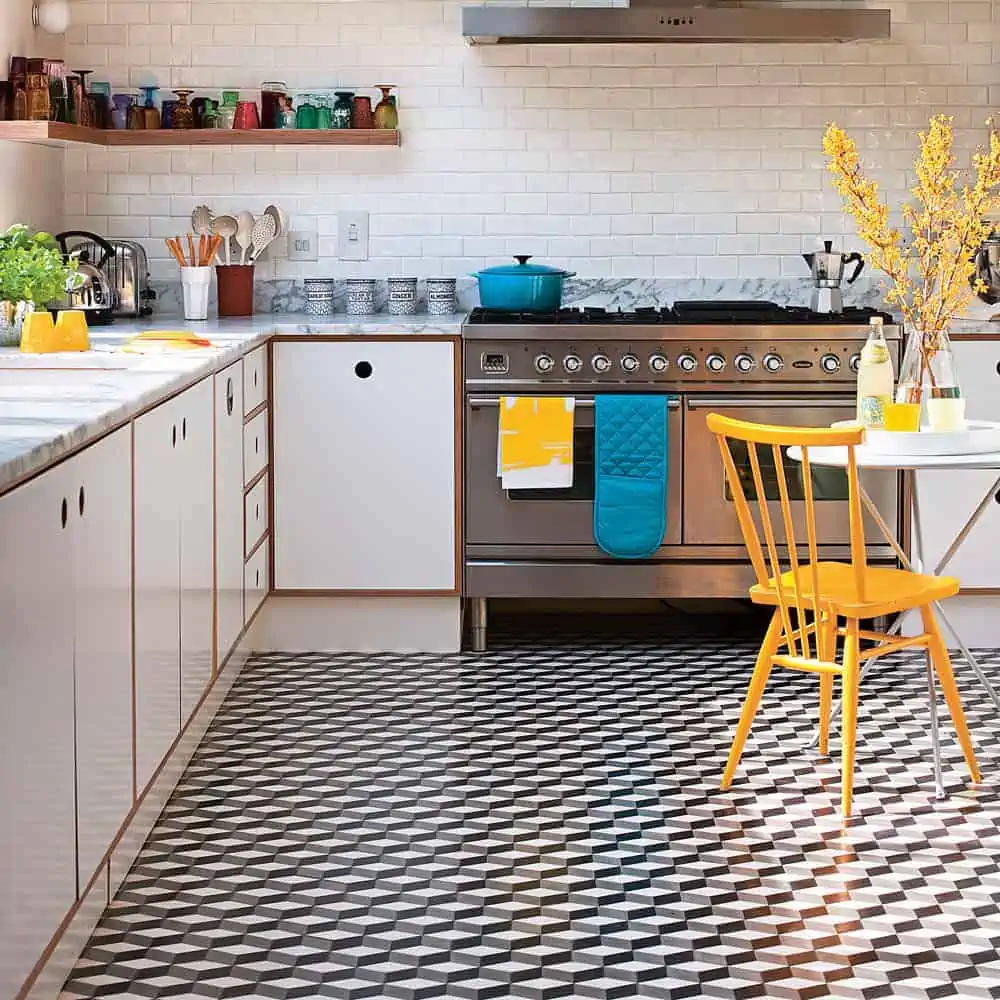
<point x="886" y="590"/>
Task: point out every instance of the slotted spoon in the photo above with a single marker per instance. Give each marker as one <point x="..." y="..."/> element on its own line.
<point x="265" y="231"/>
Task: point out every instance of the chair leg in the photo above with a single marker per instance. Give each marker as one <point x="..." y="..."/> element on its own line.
<point x="825" y="708"/>
<point x="942" y="666"/>
<point x="761" y="672"/>
<point x="848" y="729"/>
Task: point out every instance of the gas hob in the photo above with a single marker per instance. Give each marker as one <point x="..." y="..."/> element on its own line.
<point x="691" y="343"/>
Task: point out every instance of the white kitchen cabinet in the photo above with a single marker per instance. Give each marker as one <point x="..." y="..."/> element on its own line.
<point x="37" y="821"/>
<point x="229" y="508"/>
<point x="254" y="380"/>
<point x="173" y="569"/>
<point x="100" y="512"/>
<point x="948" y="498"/>
<point x="197" y="525"/>
<point x="255" y="514"/>
<point x="255" y="447"/>
<point x="256" y="581"/>
<point x="364" y="465"/>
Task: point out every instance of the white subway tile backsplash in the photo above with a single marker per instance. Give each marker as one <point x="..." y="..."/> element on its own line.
<point x="635" y="160"/>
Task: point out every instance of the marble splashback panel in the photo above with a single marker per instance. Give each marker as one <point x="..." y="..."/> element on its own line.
<point x="288" y="296"/>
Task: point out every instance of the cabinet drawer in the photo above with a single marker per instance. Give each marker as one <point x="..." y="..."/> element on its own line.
<point x="255" y="580"/>
<point x="254" y="379"/>
<point x="254" y="447"/>
<point x="255" y="515"/>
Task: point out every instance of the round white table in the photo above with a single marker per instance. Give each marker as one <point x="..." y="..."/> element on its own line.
<point x="909" y="465"/>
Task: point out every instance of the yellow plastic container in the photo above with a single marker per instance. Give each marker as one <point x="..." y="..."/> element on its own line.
<point x="71" y="331"/>
<point x="38" y="335"/>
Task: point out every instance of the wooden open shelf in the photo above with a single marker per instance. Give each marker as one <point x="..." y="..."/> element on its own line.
<point x="56" y="133"/>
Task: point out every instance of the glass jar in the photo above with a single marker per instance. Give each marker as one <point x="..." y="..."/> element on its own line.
<point x="306" y="114"/>
<point x="928" y="376"/>
<point x="342" y="109"/>
<point x="271" y="93"/>
<point x="386" y="114"/>
<point x="226" y="117"/>
<point x="324" y="112"/>
<point x="287" y="112"/>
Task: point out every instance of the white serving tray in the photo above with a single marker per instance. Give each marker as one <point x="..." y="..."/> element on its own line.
<point x="979" y="437"/>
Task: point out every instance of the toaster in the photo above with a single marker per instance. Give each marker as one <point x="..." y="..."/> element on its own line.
<point x="126" y="267"/>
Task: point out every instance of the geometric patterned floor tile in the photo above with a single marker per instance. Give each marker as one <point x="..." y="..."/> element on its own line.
<point x="543" y="820"/>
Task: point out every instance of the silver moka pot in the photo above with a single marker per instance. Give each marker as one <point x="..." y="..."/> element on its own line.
<point x="987" y="261"/>
<point x="827" y="268"/>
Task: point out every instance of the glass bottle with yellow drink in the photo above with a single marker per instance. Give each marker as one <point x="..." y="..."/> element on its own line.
<point x="875" y="378"/>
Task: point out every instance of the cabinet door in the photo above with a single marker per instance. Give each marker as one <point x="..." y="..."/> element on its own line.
<point x="157" y="436"/>
<point x="37" y="835"/>
<point x="197" y="528"/>
<point x="364" y="465"/>
<point x="101" y="512"/>
<point x="228" y="508"/>
<point x="948" y="498"/>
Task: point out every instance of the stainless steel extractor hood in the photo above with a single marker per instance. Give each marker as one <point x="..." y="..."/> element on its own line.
<point x="659" y="21"/>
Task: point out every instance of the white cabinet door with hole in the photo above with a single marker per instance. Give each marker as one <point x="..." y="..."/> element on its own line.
<point x="364" y="465"/>
<point x="197" y="525"/>
<point x="101" y="512"/>
<point x="948" y="498"/>
<point x="157" y="586"/>
<point x="228" y="508"/>
<point x="37" y="816"/>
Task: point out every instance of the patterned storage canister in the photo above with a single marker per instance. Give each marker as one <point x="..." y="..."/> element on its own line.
<point x="360" y="296"/>
<point x="441" y="296"/>
<point x="319" y="296"/>
<point x="402" y="296"/>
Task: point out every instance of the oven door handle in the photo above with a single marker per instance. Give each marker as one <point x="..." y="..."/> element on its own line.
<point x="767" y="402"/>
<point x="481" y="402"/>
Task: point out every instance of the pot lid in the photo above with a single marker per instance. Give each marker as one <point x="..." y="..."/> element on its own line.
<point x="523" y="268"/>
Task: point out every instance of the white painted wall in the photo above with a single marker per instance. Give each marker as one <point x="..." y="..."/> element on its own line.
<point x="31" y="177"/>
<point x="671" y="161"/>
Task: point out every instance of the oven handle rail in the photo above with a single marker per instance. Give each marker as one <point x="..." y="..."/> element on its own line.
<point x="771" y="402"/>
<point x="584" y="403"/>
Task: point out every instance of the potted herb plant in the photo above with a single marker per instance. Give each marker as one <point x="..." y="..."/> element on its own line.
<point x="33" y="273"/>
<point x="932" y="274"/>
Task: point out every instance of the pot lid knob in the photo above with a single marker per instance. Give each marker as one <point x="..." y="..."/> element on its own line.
<point x="522" y="259"/>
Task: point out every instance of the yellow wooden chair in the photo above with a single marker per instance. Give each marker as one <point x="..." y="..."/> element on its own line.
<point x="811" y="598"/>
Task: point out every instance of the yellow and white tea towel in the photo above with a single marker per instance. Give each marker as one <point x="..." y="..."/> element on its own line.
<point x="535" y="446"/>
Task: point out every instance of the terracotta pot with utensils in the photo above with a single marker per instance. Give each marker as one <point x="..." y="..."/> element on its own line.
<point x="235" y="289"/>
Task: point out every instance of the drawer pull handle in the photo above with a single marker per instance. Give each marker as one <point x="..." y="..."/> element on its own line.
<point x="184" y="428"/>
<point x="229" y="397"/>
<point x="173" y="437"/>
<point x="64" y="512"/>
<point x="258" y="578"/>
<point x="256" y="445"/>
<point x="83" y="501"/>
<point x="363" y="369"/>
<point x="257" y="514"/>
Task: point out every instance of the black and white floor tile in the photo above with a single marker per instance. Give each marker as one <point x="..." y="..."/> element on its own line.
<point x="543" y="820"/>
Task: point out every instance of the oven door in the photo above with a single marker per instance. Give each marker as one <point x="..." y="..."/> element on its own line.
<point x="559" y="517"/>
<point x="710" y="514"/>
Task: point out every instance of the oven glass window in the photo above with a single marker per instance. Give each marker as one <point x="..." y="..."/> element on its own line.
<point x="583" y="473"/>
<point x="827" y="483"/>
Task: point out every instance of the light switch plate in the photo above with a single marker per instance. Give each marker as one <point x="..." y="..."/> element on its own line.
<point x="352" y="236"/>
<point x="303" y="244"/>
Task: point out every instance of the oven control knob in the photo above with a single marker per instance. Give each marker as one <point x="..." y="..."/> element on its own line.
<point x="601" y="363"/>
<point x="773" y="363"/>
<point x="830" y="363"/>
<point x="544" y="364"/>
<point x="855" y="363"/>
<point x="687" y="362"/>
<point x="630" y="364"/>
<point x="715" y="363"/>
<point x="744" y="363"/>
<point x="572" y="364"/>
<point x="658" y="364"/>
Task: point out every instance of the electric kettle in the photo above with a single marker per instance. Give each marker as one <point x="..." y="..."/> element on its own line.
<point x="827" y="268"/>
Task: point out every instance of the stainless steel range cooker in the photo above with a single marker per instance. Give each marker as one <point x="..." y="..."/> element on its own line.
<point x="751" y="360"/>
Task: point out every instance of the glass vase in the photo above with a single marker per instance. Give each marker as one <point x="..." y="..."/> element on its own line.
<point x="929" y="376"/>
<point x="12" y="316"/>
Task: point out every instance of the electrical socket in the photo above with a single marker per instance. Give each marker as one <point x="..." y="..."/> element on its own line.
<point x="352" y="235"/>
<point x="303" y="245"/>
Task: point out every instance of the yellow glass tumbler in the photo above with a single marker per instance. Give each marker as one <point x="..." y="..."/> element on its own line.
<point x="38" y="335"/>
<point x="902" y="417"/>
<point x="71" y="330"/>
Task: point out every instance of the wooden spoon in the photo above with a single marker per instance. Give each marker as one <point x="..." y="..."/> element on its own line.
<point x="225" y="226"/>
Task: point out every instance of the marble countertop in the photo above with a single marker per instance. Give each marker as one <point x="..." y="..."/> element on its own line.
<point x="53" y="404"/>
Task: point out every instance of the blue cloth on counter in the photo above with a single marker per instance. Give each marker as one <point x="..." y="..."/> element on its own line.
<point x="631" y="464"/>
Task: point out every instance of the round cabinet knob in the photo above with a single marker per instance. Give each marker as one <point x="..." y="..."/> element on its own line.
<point x="630" y="364"/>
<point x="855" y="363"/>
<point x="601" y="363"/>
<point x="687" y="362"/>
<point x="658" y="364"/>
<point x="830" y="363"/>
<point x="744" y="363"/>
<point x="544" y="364"/>
<point x="715" y="363"/>
<point x="773" y="363"/>
<point x="572" y="363"/>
